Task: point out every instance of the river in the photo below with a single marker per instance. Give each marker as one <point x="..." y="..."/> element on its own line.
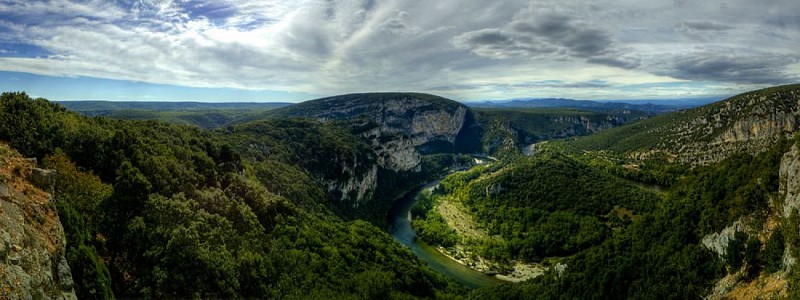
<point x="400" y="228"/>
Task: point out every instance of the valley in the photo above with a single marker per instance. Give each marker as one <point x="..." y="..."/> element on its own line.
<point x="399" y="150"/>
<point x="401" y="229"/>
<point x="408" y="195"/>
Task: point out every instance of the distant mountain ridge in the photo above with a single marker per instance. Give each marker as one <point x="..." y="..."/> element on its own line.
<point x="678" y="102"/>
<point x="201" y="114"/>
<point x="640" y="105"/>
<point x="104" y="106"/>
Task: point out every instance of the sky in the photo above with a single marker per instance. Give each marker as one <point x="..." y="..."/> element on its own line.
<point x="293" y="50"/>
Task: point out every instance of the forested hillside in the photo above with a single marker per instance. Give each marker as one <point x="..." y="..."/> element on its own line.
<point x="692" y="204"/>
<point x="660" y="254"/>
<point x="157" y="210"/>
<point x="200" y="114"/>
<point x="547" y="206"/>
<point x="721" y="230"/>
<point x="748" y="122"/>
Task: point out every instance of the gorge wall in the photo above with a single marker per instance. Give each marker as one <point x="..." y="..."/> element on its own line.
<point x="750" y="122"/>
<point x="395" y="124"/>
<point x="509" y="130"/>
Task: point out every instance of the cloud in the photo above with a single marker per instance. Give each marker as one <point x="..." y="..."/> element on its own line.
<point x="705" y="26"/>
<point x="546" y="36"/>
<point x="623" y="62"/>
<point x="704" y="30"/>
<point x="498" y="44"/>
<point x="454" y="87"/>
<point x="727" y="65"/>
<point x="544" y="84"/>
<point x="460" y="48"/>
<point x="560" y="84"/>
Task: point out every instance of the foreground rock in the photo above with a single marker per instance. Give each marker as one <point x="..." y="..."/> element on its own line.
<point x="32" y="242"/>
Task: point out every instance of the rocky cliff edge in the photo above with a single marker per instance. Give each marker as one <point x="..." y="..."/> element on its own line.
<point x="32" y="242"/>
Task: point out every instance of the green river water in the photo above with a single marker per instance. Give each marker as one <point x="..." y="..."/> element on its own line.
<point x="400" y="228"/>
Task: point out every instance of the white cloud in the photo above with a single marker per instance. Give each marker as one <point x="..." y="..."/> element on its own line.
<point x="476" y="48"/>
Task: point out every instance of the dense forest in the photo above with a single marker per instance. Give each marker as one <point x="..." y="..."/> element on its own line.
<point x="660" y="256"/>
<point x="254" y="208"/>
<point x="628" y="220"/>
<point x="544" y="206"/>
<point x="158" y="210"/>
<point x="200" y="114"/>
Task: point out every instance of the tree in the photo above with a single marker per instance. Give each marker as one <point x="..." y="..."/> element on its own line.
<point x="773" y="252"/>
<point x="734" y="254"/>
<point x="752" y="258"/>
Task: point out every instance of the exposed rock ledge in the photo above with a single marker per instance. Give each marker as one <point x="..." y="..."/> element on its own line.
<point x="32" y="242"/>
<point x="718" y="241"/>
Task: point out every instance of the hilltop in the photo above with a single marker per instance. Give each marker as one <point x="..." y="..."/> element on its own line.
<point x="349" y="105"/>
<point x="750" y="122"/>
<point x="274" y="204"/>
<point x="201" y="114"/>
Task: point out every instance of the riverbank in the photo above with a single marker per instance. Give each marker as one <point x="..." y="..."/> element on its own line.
<point x="457" y="217"/>
<point x="517" y="272"/>
<point x="470" y="270"/>
<point x="401" y="230"/>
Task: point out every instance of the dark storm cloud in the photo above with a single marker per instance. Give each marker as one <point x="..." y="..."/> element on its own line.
<point x="736" y="68"/>
<point x="546" y="36"/>
<point x="553" y="84"/>
<point x="562" y="84"/>
<point x="705" y="26"/>
<point x="619" y="62"/>
<point x="562" y="31"/>
<point x="487" y="37"/>
<point x="586" y="42"/>
<point x="552" y="25"/>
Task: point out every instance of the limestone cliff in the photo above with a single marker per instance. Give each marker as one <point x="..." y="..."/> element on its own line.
<point x="351" y="186"/>
<point x="734" y="285"/>
<point x="404" y="122"/>
<point x="506" y="130"/>
<point x="32" y="242"/>
<point x="790" y="182"/>
<point x="789" y="193"/>
<point x="750" y="122"/>
<point x="718" y="241"/>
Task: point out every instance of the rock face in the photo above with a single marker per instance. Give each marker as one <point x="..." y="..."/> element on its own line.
<point x="788" y="200"/>
<point x="789" y="191"/>
<point x="580" y="125"/>
<point x="511" y="130"/>
<point x="790" y="181"/>
<point x="750" y="122"/>
<point x="404" y="122"/>
<point x="718" y="241"/>
<point x="44" y="179"/>
<point x="356" y="188"/>
<point x="32" y="242"/>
